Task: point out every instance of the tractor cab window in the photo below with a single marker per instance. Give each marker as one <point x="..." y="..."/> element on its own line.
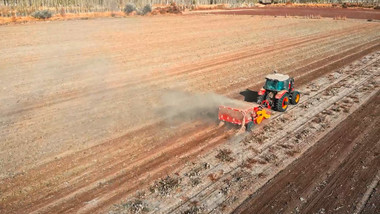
<point x="274" y="85"/>
<point x="286" y="85"/>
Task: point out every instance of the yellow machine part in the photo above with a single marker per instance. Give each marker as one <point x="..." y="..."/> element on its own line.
<point x="261" y="115"/>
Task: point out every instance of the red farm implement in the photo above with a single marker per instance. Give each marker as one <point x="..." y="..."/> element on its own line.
<point x="246" y="117"/>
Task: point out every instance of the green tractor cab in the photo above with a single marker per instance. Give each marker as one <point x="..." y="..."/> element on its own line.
<point x="277" y="92"/>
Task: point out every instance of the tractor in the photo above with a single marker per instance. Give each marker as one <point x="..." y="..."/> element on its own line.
<point x="277" y="92"/>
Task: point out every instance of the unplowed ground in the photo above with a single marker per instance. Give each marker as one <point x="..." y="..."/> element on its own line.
<point x="355" y="13"/>
<point x="93" y="110"/>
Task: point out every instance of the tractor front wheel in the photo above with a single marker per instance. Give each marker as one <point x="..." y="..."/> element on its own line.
<point x="282" y="103"/>
<point x="295" y="97"/>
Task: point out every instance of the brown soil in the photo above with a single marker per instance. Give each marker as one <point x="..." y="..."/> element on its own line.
<point x="82" y="125"/>
<point x="330" y="177"/>
<point x="307" y="12"/>
<point x="373" y="203"/>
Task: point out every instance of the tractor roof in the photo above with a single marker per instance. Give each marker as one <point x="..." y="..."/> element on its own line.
<point x="279" y="77"/>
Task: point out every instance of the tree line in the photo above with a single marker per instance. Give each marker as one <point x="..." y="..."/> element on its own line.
<point x="27" y="7"/>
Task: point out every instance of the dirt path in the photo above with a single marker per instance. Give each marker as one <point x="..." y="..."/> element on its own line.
<point x="330" y="177"/>
<point x="306" y="12"/>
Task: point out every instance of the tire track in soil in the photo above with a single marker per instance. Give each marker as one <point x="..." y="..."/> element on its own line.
<point x="325" y="174"/>
<point x="373" y="203"/>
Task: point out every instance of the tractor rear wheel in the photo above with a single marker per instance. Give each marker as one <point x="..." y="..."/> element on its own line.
<point x="282" y="103"/>
<point x="250" y="126"/>
<point x="295" y="97"/>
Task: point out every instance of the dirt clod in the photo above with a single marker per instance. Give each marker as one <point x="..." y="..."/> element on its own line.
<point x="194" y="172"/>
<point x="136" y="206"/>
<point x="293" y="152"/>
<point x="195" y="181"/>
<point x="212" y="177"/>
<point x="286" y="146"/>
<point x="261" y="175"/>
<point x="249" y="162"/>
<point x="225" y="155"/>
<point x="270" y="157"/>
<point x="254" y="150"/>
<point x="165" y="185"/>
<point x="192" y="210"/>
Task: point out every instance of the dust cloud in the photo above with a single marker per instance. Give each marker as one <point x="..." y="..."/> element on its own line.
<point x="181" y="106"/>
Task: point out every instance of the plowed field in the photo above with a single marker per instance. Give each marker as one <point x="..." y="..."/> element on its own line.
<point x="93" y="110"/>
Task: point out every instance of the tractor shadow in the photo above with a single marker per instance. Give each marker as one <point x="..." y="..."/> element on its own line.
<point x="249" y="95"/>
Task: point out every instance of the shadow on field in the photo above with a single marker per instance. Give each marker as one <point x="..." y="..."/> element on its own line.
<point x="249" y="95"/>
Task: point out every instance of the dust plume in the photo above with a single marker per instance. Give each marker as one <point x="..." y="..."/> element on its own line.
<point x="181" y="106"/>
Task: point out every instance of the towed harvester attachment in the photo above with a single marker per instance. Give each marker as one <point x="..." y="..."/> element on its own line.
<point x="246" y="117"/>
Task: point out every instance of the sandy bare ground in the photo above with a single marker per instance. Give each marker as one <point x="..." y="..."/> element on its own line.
<point x="355" y="13"/>
<point x="93" y="110"/>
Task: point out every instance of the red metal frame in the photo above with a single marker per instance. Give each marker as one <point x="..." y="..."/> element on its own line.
<point x="265" y="103"/>
<point x="280" y="94"/>
<point x="261" y="92"/>
<point x="249" y="114"/>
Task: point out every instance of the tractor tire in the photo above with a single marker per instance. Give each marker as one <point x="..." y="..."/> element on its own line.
<point x="295" y="98"/>
<point x="282" y="103"/>
<point x="250" y="126"/>
<point x="260" y="99"/>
